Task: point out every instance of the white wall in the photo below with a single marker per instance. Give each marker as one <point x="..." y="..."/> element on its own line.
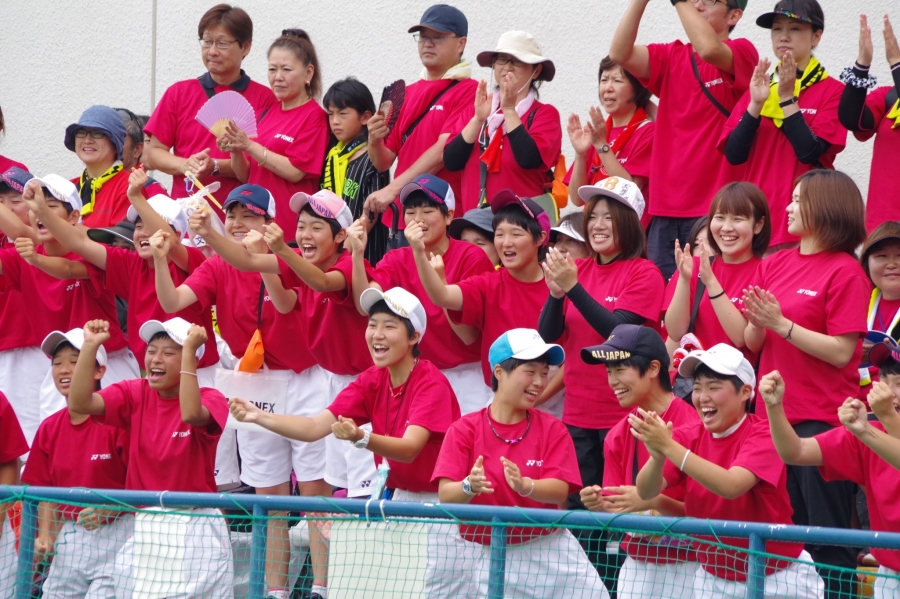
<point x="56" y="59"/>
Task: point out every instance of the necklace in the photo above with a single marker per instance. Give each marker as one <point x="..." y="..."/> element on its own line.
<point x="508" y="441"/>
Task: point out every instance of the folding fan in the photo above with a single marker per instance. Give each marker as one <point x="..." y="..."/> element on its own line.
<point x="224" y="107"/>
<point x="392" y="101"/>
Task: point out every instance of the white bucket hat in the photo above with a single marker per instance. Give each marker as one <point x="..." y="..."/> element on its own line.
<point x="522" y="46"/>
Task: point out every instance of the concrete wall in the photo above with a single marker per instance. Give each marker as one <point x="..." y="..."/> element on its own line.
<point x="58" y="58"/>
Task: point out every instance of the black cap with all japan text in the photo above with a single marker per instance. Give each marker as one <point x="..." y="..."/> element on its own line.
<point x="628" y="340"/>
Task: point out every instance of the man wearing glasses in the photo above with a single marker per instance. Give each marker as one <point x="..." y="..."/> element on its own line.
<point x="698" y="85"/>
<point x="179" y="143"/>
<point x="445" y="89"/>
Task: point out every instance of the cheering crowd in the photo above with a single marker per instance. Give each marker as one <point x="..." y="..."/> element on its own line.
<point x="437" y="334"/>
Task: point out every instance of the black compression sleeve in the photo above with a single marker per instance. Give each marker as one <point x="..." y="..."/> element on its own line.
<point x="740" y="140"/>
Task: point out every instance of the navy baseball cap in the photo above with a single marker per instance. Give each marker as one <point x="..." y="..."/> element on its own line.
<point x="480" y="219"/>
<point x="16" y="178"/>
<point x="443" y="18"/>
<point x="434" y="187"/>
<point x="254" y="198"/>
<point x="505" y="197"/>
<point x="628" y="340"/>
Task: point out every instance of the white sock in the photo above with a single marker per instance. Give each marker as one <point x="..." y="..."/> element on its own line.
<point x="279" y="593"/>
<point x="321" y="590"/>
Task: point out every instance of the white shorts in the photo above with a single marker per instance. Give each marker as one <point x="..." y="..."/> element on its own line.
<point x="21" y="373"/>
<point x="176" y="556"/>
<point x="8" y="558"/>
<point x="887" y="585"/>
<point x="346" y="466"/>
<point x="797" y="581"/>
<point x="228" y="469"/>
<point x="85" y="560"/>
<point x="639" y="579"/>
<point x="266" y="458"/>
<point x="467" y="381"/>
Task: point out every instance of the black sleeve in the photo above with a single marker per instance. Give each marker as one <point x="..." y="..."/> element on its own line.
<point x="601" y="320"/>
<point x="740" y="140"/>
<point x="852" y="111"/>
<point x="552" y="322"/>
<point x="524" y="148"/>
<point x="807" y="146"/>
<point x="456" y="153"/>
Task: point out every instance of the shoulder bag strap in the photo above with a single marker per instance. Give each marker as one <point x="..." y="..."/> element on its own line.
<point x="698" y="295"/>
<point x="259" y="306"/>
<point x="705" y="90"/>
<point x="424" y="112"/>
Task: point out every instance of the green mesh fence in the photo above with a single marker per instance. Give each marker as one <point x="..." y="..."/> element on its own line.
<point x="125" y="551"/>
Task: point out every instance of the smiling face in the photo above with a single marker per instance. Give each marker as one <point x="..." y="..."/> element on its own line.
<point x="98" y="154"/>
<point x="793" y="35"/>
<point x="63" y="366"/>
<point x="523" y="385"/>
<point x="434" y="224"/>
<point x="476" y="237"/>
<point x="795" y="219"/>
<point x="288" y="75"/>
<point x="719" y="405"/>
<point x="162" y="362"/>
<point x="515" y="245"/>
<point x="315" y="239"/>
<point x="225" y="64"/>
<point x="142" y="240"/>
<point x="571" y="246"/>
<point x="239" y="221"/>
<point x="616" y="92"/>
<point x="884" y="268"/>
<point x="600" y="228"/>
<point x="59" y="209"/>
<point x="734" y="235"/>
<point x="346" y="123"/>
<point x="388" y="339"/>
<point x="629" y="386"/>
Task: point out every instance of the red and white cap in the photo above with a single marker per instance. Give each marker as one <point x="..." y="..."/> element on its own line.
<point x="324" y="203"/>
<point x="176" y="328"/>
<point x="616" y="188"/>
<point x="168" y="209"/>
<point x="75" y="337"/>
<point x="401" y="302"/>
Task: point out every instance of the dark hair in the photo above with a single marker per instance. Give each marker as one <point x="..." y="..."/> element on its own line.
<point x="642" y="364"/>
<point x="298" y="42"/>
<point x="642" y="95"/>
<point x="381" y="307"/>
<point x="350" y="93"/>
<point x="832" y="209"/>
<point x="705" y="372"/>
<point x="699" y="224"/>
<point x="511" y="364"/>
<point x="234" y="19"/>
<point x="160" y="336"/>
<point x="230" y="208"/>
<point x="332" y="222"/>
<point x="134" y="125"/>
<point x="886" y="232"/>
<point x="889" y="367"/>
<point x="731" y="5"/>
<point x="626" y="225"/>
<point x="419" y="198"/>
<point x="68" y="345"/>
<point x="575" y="220"/>
<point x="743" y="199"/>
<point x="515" y="215"/>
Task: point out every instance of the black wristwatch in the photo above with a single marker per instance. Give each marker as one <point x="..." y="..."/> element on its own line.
<point x="786" y="103"/>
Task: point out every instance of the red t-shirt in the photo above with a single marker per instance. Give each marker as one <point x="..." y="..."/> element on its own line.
<point x="880" y="201"/>
<point x="335" y="329"/>
<point x="773" y="164"/>
<point x="685" y="162"/>
<point x="621" y="452"/>
<point x="445" y="111"/>
<point x="17" y="330"/>
<point x="174" y="123"/>
<point x="88" y="455"/>
<point x="300" y="134"/>
<point x="440" y="346"/>
<point x="427" y="400"/>
<point x="749" y="447"/>
<point x="60" y="305"/>
<point x="235" y="295"/>
<point x="845" y="457"/>
<point x="111" y="204"/>
<point x="165" y="453"/>
<point x="8" y="163"/>
<point x="634" y="157"/>
<point x="495" y="302"/>
<point x="130" y="277"/>
<point x="545" y="130"/>
<point x="12" y="439"/>
<point x="545" y="451"/>
<point x="827" y="293"/>
<point x="734" y="278"/>
<point x="633" y="285"/>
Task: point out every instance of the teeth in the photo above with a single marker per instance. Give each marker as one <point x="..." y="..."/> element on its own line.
<point x="620" y="392"/>
<point x="64" y="381"/>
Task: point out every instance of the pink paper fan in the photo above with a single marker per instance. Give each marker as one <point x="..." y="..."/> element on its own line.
<point x="224" y="107"/>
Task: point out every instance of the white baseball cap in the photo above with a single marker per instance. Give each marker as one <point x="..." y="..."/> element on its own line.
<point x="524" y="344"/>
<point x="401" y="302"/>
<point x="176" y="328"/>
<point x="62" y="189"/>
<point x="565" y="227"/>
<point x="167" y="208"/>
<point x="616" y="188"/>
<point x="723" y="359"/>
<point x="75" y="337"/>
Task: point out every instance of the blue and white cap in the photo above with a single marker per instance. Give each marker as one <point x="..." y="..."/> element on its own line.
<point x="524" y="344"/>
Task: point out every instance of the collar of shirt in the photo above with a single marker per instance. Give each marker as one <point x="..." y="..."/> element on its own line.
<point x="240" y="85"/>
<point x="730" y="431"/>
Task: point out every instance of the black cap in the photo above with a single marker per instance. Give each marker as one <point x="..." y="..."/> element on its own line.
<point x="480" y="219"/>
<point x="805" y="11"/>
<point x="122" y="230"/>
<point x="443" y="18"/>
<point x="628" y="340"/>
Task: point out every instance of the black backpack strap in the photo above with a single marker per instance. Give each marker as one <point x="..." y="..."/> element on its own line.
<point x="259" y="306"/>
<point x="705" y="90"/>
<point x="416" y="122"/>
<point x="701" y="287"/>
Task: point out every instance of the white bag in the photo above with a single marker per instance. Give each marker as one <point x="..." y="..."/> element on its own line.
<point x="265" y="388"/>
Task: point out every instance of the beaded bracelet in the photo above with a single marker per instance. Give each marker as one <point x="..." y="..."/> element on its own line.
<point x="848" y="78"/>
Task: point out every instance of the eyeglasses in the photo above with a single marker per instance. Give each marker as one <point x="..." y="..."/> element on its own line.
<point x="502" y="61"/>
<point x="711" y="2"/>
<point x="220" y="44"/>
<point x="431" y="39"/>
<point x="94" y="133"/>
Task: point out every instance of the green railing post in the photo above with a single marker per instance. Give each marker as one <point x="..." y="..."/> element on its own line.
<point x="497" y="573"/>
<point x="756" y="568"/>
<point x="25" y="567"/>
<point x="258" y="552"/>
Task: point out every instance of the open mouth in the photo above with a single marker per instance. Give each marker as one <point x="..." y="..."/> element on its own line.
<point x="41" y="227"/>
<point x="620" y="393"/>
<point x="64" y="382"/>
<point x="308" y="250"/>
<point x="707" y="414"/>
<point x="509" y="256"/>
<point x="379" y="349"/>
<point x="531" y="395"/>
<point x="144" y="243"/>
<point x="155" y="374"/>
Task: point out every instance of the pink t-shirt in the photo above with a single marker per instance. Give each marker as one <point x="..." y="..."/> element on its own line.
<point x="633" y="285"/>
<point x="111" y="204"/>
<point x="301" y="134"/>
<point x="165" y="453"/>
<point x="435" y="123"/>
<point x="12" y="439"/>
<point x="440" y="345"/>
<point x="426" y="400"/>
<point x="749" y="447"/>
<point x="827" y="293"/>
<point x="847" y="458"/>
<point x="60" y="305"/>
<point x="621" y="452"/>
<point x="685" y="162"/>
<point x="773" y="165"/>
<point x="130" y="277"/>
<point x="881" y="204"/>
<point x="174" y="123"/>
<point x="734" y="278"/>
<point x="545" y="451"/>
<point x="495" y="302"/>
<point x="88" y="455"/>
<point x="335" y="329"/>
<point x="235" y="295"/>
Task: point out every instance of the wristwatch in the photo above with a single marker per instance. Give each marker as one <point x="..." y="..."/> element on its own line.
<point x="603" y="149"/>
<point x="467" y="487"/>
<point x="364" y="442"/>
<point x="786" y="103"/>
<point x="215" y="171"/>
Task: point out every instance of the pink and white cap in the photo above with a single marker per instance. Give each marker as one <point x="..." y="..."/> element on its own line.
<point x="616" y="188"/>
<point x="324" y="203"/>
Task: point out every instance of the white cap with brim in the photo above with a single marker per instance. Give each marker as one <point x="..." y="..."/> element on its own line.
<point x="168" y="209"/>
<point x="176" y="328"/>
<point x="62" y="189"/>
<point x="401" y="302"/>
<point x="722" y="359"/>
<point x="616" y="188"/>
<point x="524" y="344"/>
<point x="75" y="337"/>
<point x="566" y="228"/>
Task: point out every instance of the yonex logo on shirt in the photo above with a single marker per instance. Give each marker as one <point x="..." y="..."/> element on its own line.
<point x="713" y="82"/>
<point x="610" y="298"/>
<point x="181" y="434"/>
<point x="436" y="107"/>
<point x="265" y="406"/>
<point x="74" y="285"/>
<point x="809" y="110"/>
<point x="286" y="138"/>
<point x="808" y="292"/>
<point x="537" y="463"/>
<point x="101" y="456"/>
